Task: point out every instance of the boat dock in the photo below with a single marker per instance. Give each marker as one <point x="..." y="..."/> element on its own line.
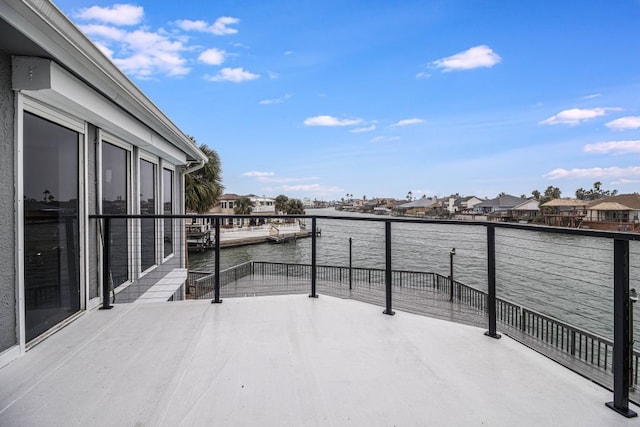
<point x="201" y="237"/>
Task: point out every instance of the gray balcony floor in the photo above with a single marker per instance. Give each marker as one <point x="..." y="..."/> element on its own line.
<point x="289" y="361"/>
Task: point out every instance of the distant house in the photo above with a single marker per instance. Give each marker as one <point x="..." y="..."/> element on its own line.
<point x="262" y="205"/>
<point x="465" y="204"/>
<point x="614" y="213"/>
<point x="525" y="211"/>
<point x="227" y="204"/>
<point x="564" y="212"/>
<point x="498" y="207"/>
<point x="421" y="207"/>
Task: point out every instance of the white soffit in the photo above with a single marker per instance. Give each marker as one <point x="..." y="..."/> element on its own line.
<point x="46" y="81"/>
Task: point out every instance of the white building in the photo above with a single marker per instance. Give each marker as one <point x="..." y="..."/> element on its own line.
<point x="77" y="138"/>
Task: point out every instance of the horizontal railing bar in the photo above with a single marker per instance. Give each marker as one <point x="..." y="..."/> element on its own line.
<point x="529" y="227"/>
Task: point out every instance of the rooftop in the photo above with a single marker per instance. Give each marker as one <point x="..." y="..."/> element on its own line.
<point x="289" y="360"/>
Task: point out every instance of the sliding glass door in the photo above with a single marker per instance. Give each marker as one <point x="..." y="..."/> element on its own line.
<point x="51" y="232"/>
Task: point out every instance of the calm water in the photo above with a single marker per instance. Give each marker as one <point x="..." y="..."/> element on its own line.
<point x="567" y="277"/>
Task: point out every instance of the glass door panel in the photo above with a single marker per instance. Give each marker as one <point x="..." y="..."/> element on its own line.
<point x="51" y="234"/>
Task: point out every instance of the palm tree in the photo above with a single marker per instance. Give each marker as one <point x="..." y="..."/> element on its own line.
<point x="243" y="206"/>
<point x="281" y="203"/>
<point x="204" y="187"/>
<point x="295" y="207"/>
<point x="410" y="195"/>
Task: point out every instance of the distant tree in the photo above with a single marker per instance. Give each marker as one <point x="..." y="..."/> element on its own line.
<point x="595" y="193"/>
<point x="410" y="196"/>
<point x="536" y="194"/>
<point x="294" y="207"/>
<point x="523" y="196"/>
<point x="204" y="187"/>
<point x="502" y="194"/>
<point x="549" y="194"/>
<point x="243" y="206"/>
<point x="281" y="203"/>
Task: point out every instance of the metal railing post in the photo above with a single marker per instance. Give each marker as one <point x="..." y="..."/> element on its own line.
<point x="216" y="292"/>
<point x="491" y="276"/>
<point x="106" y="264"/>
<point x="621" y="330"/>
<point x="451" y="281"/>
<point x="350" y="263"/>
<point x="313" y="259"/>
<point x="388" y="273"/>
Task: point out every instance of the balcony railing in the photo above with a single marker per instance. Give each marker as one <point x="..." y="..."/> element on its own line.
<point x="607" y="361"/>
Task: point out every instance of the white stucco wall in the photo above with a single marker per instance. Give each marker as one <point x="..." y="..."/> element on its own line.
<point x="7" y="211"/>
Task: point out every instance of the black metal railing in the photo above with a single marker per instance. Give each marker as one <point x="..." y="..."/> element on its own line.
<point x="615" y="354"/>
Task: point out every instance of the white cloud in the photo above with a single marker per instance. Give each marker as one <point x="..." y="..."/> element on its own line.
<point x="235" y="75"/>
<point x="275" y="100"/>
<point x="145" y="53"/>
<point x="212" y="56"/>
<point x="282" y="180"/>
<point x="407" y="122"/>
<point x="104" y="31"/>
<point x="379" y="139"/>
<point x="364" y="129"/>
<point x="273" y="75"/>
<point x="575" y="116"/>
<point x="220" y="27"/>
<point x="118" y="14"/>
<point x="271" y="101"/>
<point x="258" y="174"/>
<point x="624" y="123"/>
<point x="594" y="95"/>
<point x="423" y="75"/>
<point x="476" y="57"/>
<point x="625" y="181"/>
<point x="288" y="52"/>
<point x="140" y="53"/>
<point x="313" y="189"/>
<point x="613" y="147"/>
<point x="331" y="121"/>
<point x="611" y="172"/>
<point x="272" y="178"/>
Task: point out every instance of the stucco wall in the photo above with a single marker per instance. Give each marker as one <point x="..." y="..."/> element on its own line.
<point x="7" y="209"/>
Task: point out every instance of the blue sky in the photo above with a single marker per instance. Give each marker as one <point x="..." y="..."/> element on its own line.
<point x="377" y="98"/>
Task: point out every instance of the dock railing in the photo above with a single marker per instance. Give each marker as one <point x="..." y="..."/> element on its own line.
<point x="615" y="356"/>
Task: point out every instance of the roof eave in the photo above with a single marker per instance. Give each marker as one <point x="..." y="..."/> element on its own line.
<point x="47" y="26"/>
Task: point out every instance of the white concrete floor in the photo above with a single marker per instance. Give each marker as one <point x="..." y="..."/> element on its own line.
<point x="289" y="361"/>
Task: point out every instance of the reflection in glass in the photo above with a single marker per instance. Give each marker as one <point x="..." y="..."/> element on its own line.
<point x="147" y="207"/>
<point x="115" y="187"/>
<point x="167" y="200"/>
<point x="51" y="241"/>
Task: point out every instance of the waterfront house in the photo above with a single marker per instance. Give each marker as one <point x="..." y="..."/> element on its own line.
<point x="465" y="205"/>
<point x="227" y="203"/>
<point x="499" y="207"/>
<point x="526" y="211"/>
<point x="262" y="205"/>
<point x="225" y="206"/>
<point x="420" y="207"/>
<point x="614" y="213"/>
<point x="564" y="212"/>
<point x="78" y="138"/>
